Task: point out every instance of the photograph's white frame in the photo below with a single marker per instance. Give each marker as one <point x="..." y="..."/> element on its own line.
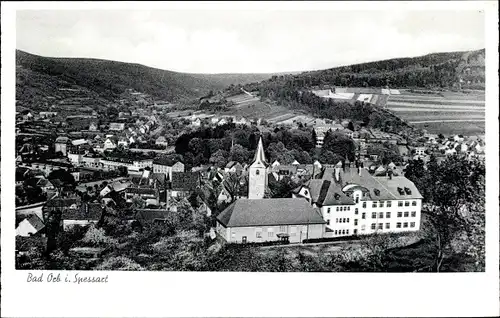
<point x="141" y="294"/>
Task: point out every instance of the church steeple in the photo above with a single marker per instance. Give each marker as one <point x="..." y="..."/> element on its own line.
<point x="257" y="182"/>
<point x="260" y="157"/>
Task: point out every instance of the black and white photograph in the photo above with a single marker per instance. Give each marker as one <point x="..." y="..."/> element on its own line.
<point x="248" y="140"/>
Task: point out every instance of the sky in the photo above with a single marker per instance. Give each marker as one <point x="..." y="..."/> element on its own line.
<point x="263" y="41"/>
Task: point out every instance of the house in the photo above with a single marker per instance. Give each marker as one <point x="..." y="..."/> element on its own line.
<point x="61" y="145"/>
<point x="117" y="126"/>
<point x="161" y="141"/>
<point x="151" y="216"/>
<point x="110" y="143"/>
<point x="93" y="126"/>
<point x="182" y="183"/>
<point x="123" y="141"/>
<point x="275" y="164"/>
<point x="167" y="166"/>
<point x="45" y="185"/>
<point x="223" y="121"/>
<point x="144" y="193"/>
<point x="196" y="122"/>
<point x="261" y="220"/>
<point x="85" y="214"/>
<point x="233" y="167"/>
<point x="30" y="226"/>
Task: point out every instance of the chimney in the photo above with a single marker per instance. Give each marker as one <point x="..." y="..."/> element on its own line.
<point x="359" y="171"/>
<point x="337" y="174"/>
<point x="389" y="173"/>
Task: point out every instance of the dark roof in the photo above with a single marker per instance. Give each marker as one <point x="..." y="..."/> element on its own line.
<point x="325" y="192"/>
<point x="261" y="212"/>
<point x="36" y="222"/>
<point x="150" y="191"/>
<point x="150" y="215"/>
<point x="165" y="162"/>
<point x="386" y="187"/>
<point x="87" y="211"/>
<point x="185" y="181"/>
<point x="62" y="202"/>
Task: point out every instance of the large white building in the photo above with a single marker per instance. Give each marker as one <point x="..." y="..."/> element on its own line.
<point x="352" y="201"/>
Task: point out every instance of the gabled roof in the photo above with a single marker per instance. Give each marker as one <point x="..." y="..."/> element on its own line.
<point x="149" y="215"/>
<point x="262" y="212"/>
<point x="62" y="140"/>
<point x="36" y="222"/>
<point x="325" y="192"/>
<point x="185" y="181"/>
<point x="87" y="211"/>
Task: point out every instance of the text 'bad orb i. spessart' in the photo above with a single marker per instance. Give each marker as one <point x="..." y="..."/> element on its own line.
<point x="66" y="278"/>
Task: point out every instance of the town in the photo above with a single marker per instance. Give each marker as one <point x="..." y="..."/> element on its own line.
<point x="141" y="164"/>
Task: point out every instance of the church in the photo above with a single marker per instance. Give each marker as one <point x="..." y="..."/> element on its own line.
<point x="259" y="220"/>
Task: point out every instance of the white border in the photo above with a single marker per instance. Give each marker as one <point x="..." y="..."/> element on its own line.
<point x="254" y="294"/>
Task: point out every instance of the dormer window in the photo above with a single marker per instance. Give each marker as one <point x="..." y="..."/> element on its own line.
<point x="376" y="191"/>
<point x="407" y="190"/>
<point x="401" y="191"/>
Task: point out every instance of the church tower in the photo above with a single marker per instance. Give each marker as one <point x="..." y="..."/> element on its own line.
<point x="257" y="180"/>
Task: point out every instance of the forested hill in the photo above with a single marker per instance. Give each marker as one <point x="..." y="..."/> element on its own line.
<point x="39" y="76"/>
<point x="437" y="70"/>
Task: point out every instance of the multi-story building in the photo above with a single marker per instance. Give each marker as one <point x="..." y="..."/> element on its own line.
<point x="167" y="166"/>
<point x="355" y="202"/>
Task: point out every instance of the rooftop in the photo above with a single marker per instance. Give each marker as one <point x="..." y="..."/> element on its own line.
<point x="260" y="212"/>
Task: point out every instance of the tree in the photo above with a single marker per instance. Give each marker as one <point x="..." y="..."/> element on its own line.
<point x="282" y="188"/>
<point x="97" y="237"/>
<point x="340" y="144"/>
<point x="219" y="158"/>
<point x="455" y="208"/>
<point x="112" y="112"/>
<point x="63" y="175"/>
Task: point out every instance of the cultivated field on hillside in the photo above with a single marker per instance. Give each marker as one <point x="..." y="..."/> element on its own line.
<point x="251" y="107"/>
<point x="442" y="112"/>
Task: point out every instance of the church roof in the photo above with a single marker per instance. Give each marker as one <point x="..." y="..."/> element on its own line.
<point x="259" y="154"/>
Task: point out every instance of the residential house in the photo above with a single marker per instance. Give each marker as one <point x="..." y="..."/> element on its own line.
<point x="61" y="145"/>
<point x="110" y="143"/>
<point x="85" y="214"/>
<point x="167" y="166"/>
<point x="32" y="225"/>
<point x="116" y="126"/>
<point x="183" y="183"/>
<point x="233" y="167"/>
<point x="93" y="126"/>
<point x="161" y="141"/>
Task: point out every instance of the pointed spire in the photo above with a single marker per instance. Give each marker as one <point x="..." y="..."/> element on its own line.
<point x="259" y="154"/>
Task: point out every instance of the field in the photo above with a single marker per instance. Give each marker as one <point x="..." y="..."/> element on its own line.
<point x="251" y="107"/>
<point x="441" y="112"/>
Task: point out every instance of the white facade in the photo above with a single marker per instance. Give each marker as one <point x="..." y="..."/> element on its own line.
<point x="25" y="228"/>
<point x="257" y="182"/>
<point x="369" y="217"/>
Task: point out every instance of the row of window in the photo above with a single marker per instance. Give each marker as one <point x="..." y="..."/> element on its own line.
<point x="283" y="229"/>
<point x="388" y="204"/>
<point x="339" y="232"/>
<point x="388" y="225"/>
<point x="388" y="214"/>
<point x="340" y="209"/>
